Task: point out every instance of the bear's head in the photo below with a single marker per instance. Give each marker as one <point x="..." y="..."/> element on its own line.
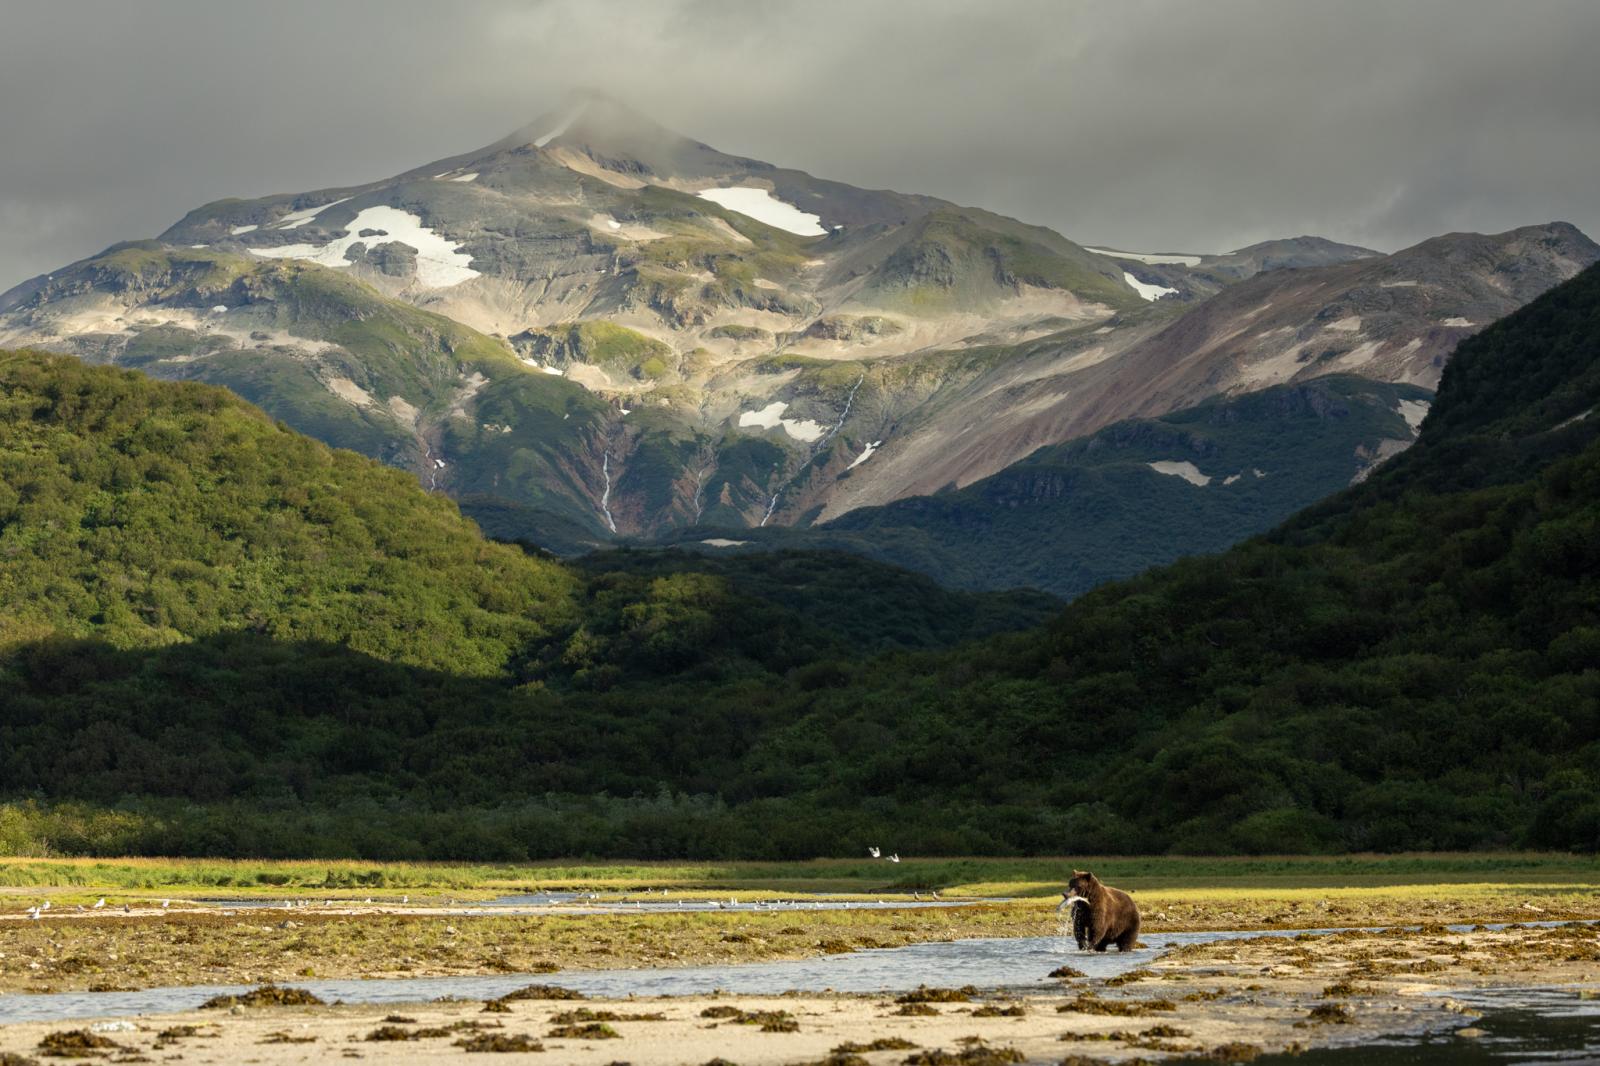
<point x="1084" y="885"/>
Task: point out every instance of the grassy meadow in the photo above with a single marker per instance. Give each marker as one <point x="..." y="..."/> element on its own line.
<point x="1217" y="877"/>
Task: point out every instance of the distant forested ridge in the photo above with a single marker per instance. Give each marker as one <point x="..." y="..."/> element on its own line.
<point x="1413" y="663"/>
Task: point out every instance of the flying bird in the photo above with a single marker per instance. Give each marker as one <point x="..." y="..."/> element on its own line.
<point x="895" y="857"/>
<point x="876" y="853"/>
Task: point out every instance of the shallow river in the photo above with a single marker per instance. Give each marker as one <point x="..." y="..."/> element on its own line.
<point x="1011" y="962"/>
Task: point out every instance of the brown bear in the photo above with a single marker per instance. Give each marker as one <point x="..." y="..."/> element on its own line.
<point x="1101" y="915"/>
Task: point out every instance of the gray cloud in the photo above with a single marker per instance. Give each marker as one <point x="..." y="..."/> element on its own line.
<point x="1194" y="126"/>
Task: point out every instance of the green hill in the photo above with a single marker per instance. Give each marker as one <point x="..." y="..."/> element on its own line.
<point x="1411" y="664"/>
<point x="1075" y="515"/>
<point x="141" y="514"/>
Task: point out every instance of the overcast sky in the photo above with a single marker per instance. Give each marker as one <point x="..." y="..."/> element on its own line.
<point x="1184" y="125"/>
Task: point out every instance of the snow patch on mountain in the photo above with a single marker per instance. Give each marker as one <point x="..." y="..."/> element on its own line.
<point x="771" y="416"/>
<point x="1149" y="258"/>
<point x="1414" y="411"/>
<point x="762" y="206"/>
<point x="724" y="542"/>
<point x="1149" y="292"/>
<point x="866" y="453"/>
<point x="440" y="263"/>
<point x="1184" y="469"/>
<point x="296" y="219"/>
<point x="473" y="176"/>
<point x="239" y="231"/>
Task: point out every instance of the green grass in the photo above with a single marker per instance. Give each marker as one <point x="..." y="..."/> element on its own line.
<point x="955" y="877"/>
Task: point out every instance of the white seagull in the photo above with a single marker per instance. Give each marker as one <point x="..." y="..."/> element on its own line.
<point x="45" y="905"/>
<point x="876" y="853"/>
<point x="895" y="857"/>
<point x="101" y="902"/>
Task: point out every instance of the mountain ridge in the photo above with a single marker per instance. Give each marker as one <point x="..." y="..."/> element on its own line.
<point x="884" y="346"/>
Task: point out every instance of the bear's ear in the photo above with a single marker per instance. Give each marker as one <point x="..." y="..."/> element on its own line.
<point x="1080" y="873"/>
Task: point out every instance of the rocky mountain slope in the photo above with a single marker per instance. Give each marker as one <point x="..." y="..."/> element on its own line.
<point x="1137" y="494"/>
<point x="597" y="328"/>
<point x="1393" y="318"/>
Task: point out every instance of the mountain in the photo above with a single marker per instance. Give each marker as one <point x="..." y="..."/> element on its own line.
<point x="596" y="328"/>
<point x="1407" y="665"/>
<point x="1392" y="318"/>
<point x="1137" y="494"/>
<point x="1205" y="275"/>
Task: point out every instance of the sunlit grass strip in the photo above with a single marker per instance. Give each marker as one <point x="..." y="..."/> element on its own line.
<point x="1193" y="878"/>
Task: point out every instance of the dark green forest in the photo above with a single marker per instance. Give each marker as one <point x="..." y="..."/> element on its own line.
<point x="310" y="656"/>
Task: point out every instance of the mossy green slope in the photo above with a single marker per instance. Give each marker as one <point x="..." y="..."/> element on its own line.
<point x="962" y="259"/>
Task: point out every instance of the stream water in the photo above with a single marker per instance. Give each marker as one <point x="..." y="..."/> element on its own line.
<point x="1011" y="962"/>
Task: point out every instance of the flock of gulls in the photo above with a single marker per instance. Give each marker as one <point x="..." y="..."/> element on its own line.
<point x="37" y="911"/>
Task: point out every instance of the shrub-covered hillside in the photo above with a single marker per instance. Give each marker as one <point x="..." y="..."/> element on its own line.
<point x="142" y="513"/>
